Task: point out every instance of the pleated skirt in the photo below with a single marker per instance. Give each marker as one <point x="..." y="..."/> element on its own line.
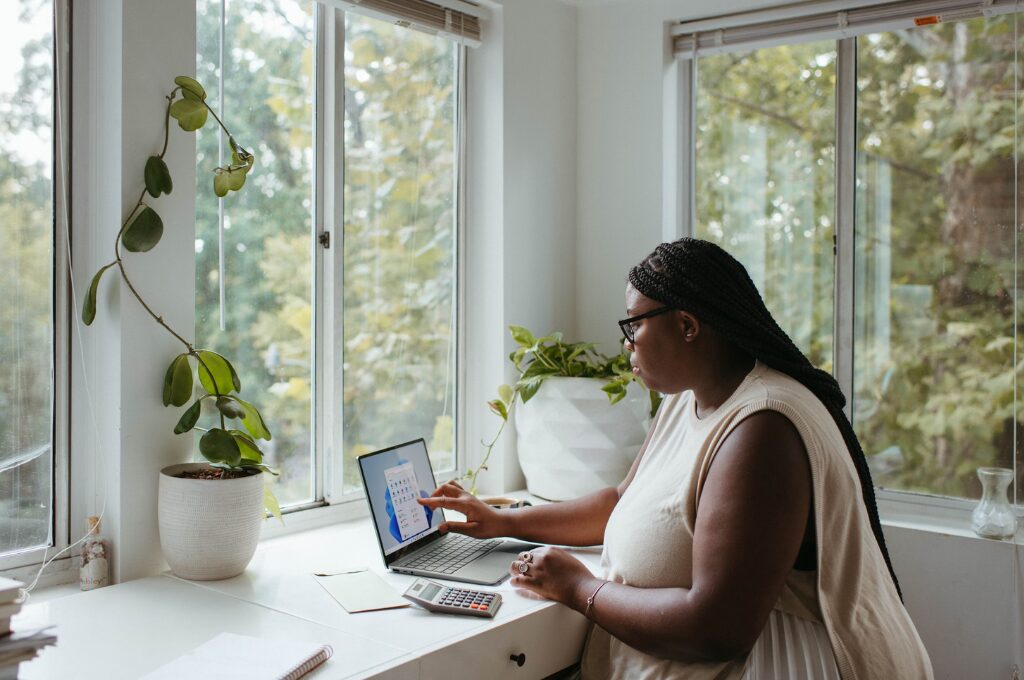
<point x="791" y="648"/>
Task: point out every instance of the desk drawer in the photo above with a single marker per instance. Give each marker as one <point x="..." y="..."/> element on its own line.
<point x="550" y="640"/>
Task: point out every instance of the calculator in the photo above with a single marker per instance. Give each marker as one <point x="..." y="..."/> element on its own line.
<point x="441" y="598"/>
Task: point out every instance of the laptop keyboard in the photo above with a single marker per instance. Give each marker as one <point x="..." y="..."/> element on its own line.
<point x="451" y="555"/>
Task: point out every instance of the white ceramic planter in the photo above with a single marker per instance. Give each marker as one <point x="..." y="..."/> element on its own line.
<point x="572" y="442"/>
<point x="209" y="528"/>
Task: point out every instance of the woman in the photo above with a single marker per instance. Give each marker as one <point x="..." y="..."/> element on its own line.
<point x="745" y="541"/>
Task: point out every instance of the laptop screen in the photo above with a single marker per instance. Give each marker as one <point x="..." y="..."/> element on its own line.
<point x="393" y="479"/>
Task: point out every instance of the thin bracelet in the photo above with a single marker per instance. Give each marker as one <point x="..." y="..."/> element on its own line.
<point x="590" y="600"/>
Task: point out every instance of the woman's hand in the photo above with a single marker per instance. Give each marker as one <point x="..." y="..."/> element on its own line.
<point x="552" y="573"/>
<point x="482" y="521"/>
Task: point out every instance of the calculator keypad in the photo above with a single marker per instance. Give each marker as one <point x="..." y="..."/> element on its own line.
<point x="467" y="599"/>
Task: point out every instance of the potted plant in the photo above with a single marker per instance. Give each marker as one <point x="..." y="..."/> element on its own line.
<point x="572" y="437"/>
<point x="209" y="513"/>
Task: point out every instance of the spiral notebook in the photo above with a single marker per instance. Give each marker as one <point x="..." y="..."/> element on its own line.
<point x="229" y="657"/>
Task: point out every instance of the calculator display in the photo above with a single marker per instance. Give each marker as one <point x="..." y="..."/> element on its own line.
<point x="430" y="591"/>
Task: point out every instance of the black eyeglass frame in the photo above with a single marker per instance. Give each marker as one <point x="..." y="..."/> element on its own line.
<point x="626" y="325"/>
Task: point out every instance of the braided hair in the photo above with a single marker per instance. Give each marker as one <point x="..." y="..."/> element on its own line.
<point x="703" y="279"/>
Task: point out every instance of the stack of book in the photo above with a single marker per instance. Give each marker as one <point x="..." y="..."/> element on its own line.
<point x="23" y="645"/>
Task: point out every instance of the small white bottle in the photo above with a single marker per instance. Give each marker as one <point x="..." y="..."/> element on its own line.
<point x="94" y="572"/>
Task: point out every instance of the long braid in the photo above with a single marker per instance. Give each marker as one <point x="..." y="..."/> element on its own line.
<point x="705" y="280"/>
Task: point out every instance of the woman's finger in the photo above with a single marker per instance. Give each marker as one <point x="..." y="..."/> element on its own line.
<point x="450" y="489"/>
<point x="446" y="502"/>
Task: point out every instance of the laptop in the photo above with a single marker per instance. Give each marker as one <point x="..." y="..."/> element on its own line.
<point x="407" y="532"/>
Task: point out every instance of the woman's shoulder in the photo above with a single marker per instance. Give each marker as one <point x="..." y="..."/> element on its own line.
<point x="770" y="383"/>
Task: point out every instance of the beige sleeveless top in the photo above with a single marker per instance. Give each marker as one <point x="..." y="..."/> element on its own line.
<point x="649" y="540"/>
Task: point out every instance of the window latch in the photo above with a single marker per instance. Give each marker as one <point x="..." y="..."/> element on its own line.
<point x="325" y="239"/>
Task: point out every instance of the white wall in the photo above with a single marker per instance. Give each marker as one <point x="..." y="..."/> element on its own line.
<point x="521" y="211"/>
<point x="959" y="589"/>
<point x="126" y="55"/>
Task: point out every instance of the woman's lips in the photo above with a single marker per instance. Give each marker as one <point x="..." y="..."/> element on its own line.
<point x="636" y="370"/>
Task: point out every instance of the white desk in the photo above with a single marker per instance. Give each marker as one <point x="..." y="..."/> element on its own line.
<point x="126" y="630"/>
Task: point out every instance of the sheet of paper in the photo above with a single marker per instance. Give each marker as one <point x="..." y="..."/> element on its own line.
<point x="404" y="490"/>
<point x="361" y="591"/>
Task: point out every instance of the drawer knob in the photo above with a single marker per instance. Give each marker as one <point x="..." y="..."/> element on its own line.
<point x="519" y="658"/>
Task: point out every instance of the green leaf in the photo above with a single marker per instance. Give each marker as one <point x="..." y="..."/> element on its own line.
<point x="538" y="369"/>
<point x="89" y="308"/>
<point x="218" y="446"/>
<point x="225" y="180"/>
<point x="506" y="394"/>
<point x="229" y="407"/>
<point x="189" y="418"/>
<point x="190" y="113"/>
<point x="253" y="421"/>
<point x="522" y="336"/>
<point x="191" y="86"/>
<point x="613" y="388"/>
<point x="250" y="451"/>
<point x="498" y="408"/>
<point x="236" y="178"/>
<point x="528" y="388"/>
<point x="178" y="381"/>
<point x="144" y="232"/>
<point x="655" y="402"/>
<point x="158" y="177"/>
<point x="220" y="183"/>
<point x="271" y="504"/>
<point x="223" y="373"/>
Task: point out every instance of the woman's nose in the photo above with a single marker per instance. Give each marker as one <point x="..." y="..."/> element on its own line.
<point x="628" y="344"/>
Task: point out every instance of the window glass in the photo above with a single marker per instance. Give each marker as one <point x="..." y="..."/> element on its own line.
<point x="934" y="326"/>
<point x="765" y="178"/>
<point x="268" y="251"/>
<point x="26" y="275"/>
<point x="399" y="241"/>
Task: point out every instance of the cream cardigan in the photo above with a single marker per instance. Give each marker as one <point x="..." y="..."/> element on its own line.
<point x="649" y="539"/>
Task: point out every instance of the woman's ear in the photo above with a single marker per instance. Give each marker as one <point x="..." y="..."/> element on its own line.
<point x="689" y="326"/>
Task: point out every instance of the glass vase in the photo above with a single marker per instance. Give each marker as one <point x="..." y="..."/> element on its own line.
<point x="994" y="518"/>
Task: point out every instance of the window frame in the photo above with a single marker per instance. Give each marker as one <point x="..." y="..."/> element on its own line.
<point x="25" y="564"/>
<point x="680" y="104"/>
<point x="330" y="503"/>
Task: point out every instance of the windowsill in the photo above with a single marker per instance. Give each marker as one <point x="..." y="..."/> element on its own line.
<point x="277" y="596"/>
<point x="926" y="514"/>
<point x="940" y="516"/>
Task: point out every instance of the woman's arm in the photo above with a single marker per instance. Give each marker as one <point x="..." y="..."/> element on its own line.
<point x="750" y="523"/>
<point x="580" y="521"/>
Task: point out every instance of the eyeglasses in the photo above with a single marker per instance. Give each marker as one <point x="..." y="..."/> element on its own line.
<point x="629" y="330"/>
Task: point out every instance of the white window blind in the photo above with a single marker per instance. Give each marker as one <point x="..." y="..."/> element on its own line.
<point x="821" y="20"/>
<point x="455" y="19"/>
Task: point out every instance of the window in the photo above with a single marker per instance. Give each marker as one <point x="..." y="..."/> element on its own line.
<point x="30" y="460"/>
<point x="887" y="246"/>
<point x="934" y="346"/>
<point x="766" y="179"/>
<point x="389" y="267"/>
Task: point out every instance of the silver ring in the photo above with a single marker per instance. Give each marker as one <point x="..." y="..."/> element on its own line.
<point x="523" y="567"/>
<point x="526" y="557"/>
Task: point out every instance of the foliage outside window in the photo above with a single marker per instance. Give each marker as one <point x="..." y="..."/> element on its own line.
<point x="934" y="258"/>
<point x="26" y="275"/>
<point x="398" y="241"/>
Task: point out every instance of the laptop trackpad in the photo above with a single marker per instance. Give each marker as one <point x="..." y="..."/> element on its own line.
<point x="494" y="566"/>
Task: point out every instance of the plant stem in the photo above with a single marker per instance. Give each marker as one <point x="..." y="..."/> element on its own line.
<point x="217" y="118"/>
<point x="490" y="447"/>
<point x="167" y="120"/>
